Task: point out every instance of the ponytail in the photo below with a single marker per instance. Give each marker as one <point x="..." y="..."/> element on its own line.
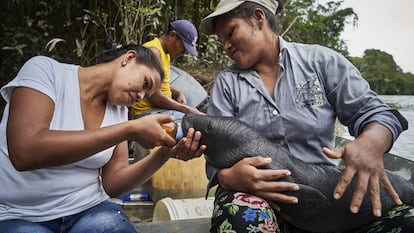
<point x="111" y="51"/>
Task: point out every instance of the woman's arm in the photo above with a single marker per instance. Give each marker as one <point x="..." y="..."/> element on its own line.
<point x="364" y="161"/>
<point x="32" y="145"/>
<point x="162" y="101"/>
<point x="374" y="125"/>
<point x="118" y="177"/>
<point x="245" y="176"/>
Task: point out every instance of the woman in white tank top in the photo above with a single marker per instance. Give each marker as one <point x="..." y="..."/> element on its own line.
<point x="63" y="144"/>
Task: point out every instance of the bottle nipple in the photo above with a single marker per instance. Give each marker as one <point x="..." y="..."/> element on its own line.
<point x="180" y="133"/>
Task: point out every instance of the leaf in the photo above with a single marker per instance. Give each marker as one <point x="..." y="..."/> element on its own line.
<point x="52" y="44"/>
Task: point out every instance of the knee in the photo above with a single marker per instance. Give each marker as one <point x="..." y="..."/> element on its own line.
<point x="243" y="212"/>
<point x="104" y="220"/>
<point x="22" y="226"/>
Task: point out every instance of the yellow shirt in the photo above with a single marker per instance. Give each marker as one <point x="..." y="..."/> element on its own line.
<point x="146" y="105"/>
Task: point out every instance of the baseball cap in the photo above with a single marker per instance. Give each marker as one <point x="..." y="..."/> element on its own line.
<point x="188" y="34"/>
<point x="225" y="6"/>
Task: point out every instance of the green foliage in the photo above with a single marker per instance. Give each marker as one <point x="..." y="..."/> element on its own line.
<point x="383" y="74"/>
<point x="307" y="22"/>
<point x="139" y="19"/>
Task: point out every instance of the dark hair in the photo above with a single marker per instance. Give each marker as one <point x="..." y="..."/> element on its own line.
<point x="170" y="28"/>
<point x="144" y="55"/>
<point x="245" y="11"/>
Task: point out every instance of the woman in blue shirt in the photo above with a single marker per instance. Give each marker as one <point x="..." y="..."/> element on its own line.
<point x="292" y="93"/>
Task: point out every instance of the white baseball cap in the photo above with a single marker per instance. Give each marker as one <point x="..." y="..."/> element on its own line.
<point x="225" y="6"/>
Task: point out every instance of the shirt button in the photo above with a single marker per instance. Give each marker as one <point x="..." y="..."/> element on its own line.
<point x="274" y="112"/>
<point x="282" y="142"/>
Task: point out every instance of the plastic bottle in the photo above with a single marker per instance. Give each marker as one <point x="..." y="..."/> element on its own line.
<point x="170" y="128"/>
<point x="136" y="197"/>
<point x="174" y="129"/>
<point x="179" y="133"/>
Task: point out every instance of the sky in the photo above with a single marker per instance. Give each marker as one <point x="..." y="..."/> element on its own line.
<point x="386" y="25"/>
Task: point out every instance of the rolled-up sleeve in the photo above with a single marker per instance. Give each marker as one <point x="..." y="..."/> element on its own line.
<point x="355" y="103"/>
<point x="392" y="119"/>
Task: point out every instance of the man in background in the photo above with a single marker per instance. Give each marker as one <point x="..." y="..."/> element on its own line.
<point x="180" y="38"/>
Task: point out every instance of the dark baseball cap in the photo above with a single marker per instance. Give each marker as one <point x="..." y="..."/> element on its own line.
<point x="188" y="34"/>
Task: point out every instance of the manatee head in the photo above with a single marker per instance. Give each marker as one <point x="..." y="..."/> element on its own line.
<point x="228" y="140"/>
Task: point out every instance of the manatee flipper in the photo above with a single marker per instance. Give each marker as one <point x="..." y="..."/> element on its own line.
<point x="311" y="203"/>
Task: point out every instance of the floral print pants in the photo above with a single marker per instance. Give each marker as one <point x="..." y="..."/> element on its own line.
<point x="241" y="212"/>
<point x="236" y="212"/>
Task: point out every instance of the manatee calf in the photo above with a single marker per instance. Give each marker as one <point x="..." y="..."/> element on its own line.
<point x="229" y="140"/>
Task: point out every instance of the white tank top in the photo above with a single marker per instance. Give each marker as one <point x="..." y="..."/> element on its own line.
<point x="50" y="193"/>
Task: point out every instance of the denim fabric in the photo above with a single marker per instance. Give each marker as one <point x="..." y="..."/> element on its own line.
<point x="106" y="217"/>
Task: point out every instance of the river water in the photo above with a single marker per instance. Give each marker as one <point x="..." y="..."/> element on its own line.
<point x="404" y="146"/>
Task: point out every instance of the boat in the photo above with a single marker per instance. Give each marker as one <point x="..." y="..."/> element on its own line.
<point x="194" y="93"/>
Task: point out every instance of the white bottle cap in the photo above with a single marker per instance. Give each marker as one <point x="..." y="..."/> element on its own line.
<point x="180" y="133"/>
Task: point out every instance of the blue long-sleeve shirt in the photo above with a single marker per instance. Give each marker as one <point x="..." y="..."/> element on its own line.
<point x="316" y="85"/>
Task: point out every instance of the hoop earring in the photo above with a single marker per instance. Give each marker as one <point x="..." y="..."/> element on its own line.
<point x="123" y="63"/>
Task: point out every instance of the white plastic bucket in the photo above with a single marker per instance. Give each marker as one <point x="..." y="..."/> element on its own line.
<point x="175" y="209"/>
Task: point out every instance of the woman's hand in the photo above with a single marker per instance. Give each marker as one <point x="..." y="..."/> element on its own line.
<point x="244" y="176"/>
<point x="147" y="131"/>
<point x="187" y="148"/>
<point x="364" y="161"/>
<point x="119" y="177"/>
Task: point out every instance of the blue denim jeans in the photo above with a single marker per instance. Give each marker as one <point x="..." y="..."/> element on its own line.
<point x="106" y="217"/>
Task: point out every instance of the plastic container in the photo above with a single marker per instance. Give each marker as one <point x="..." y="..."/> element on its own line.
<point x="176" y="209"/>
<point x="136" y="197"/>
<point x="174" y="129"/>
